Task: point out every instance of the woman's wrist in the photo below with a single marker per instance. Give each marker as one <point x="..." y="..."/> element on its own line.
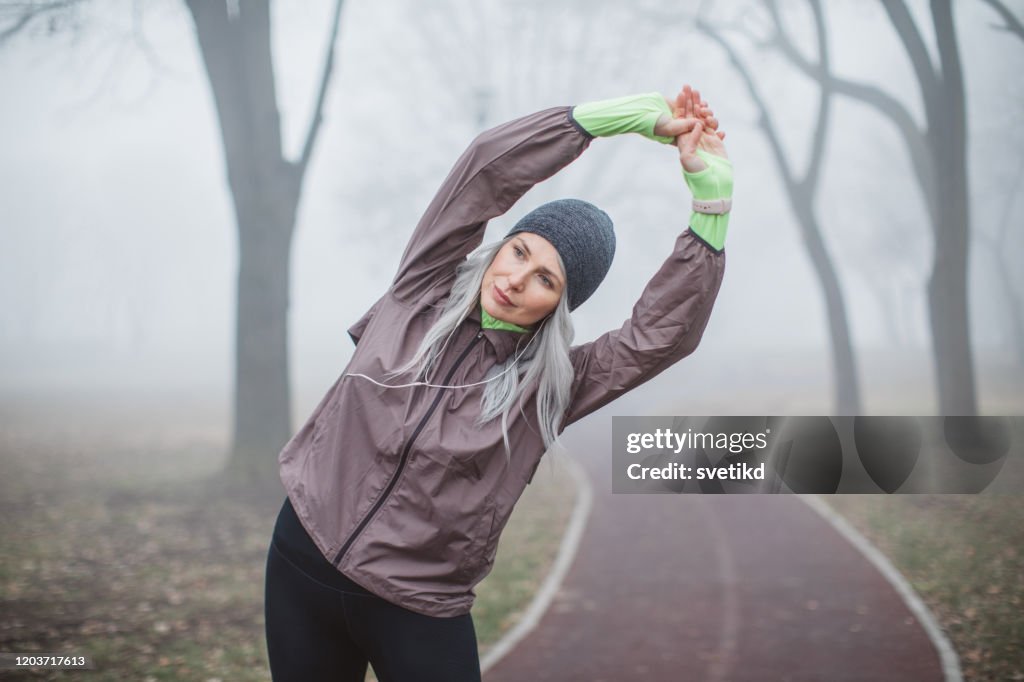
<point x="713" y="183"/>
<point x="629" y="114"/>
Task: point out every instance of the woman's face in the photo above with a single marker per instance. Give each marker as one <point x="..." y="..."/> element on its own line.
<point x="524" y="281"/>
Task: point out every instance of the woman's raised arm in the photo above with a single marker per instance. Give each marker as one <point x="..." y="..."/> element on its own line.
<point x="503" y="163"/>
<point x="499" y="166"/>
<point x="669" y="319"/>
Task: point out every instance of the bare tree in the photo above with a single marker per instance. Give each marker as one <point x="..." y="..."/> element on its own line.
<point x="802" y="192"/>
<point x="53" y="15"/>
<point x="998" y="244"/>
<point x="495" y="56"/>
<point x="265" y="189"/>
<point x="1011" y="24"/>
<point x="234" y="40"/>
<point x="938" y="155"/>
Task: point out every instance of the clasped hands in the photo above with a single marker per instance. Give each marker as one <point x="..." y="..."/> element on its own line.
<point x="694" y="126"/>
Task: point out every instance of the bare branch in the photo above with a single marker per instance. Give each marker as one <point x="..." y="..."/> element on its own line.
<point x="810" y="179"/>
<point x="885" y="104"/>
<point x="142" y="41"/>
<point x="22" y="21"/>
<point x="314" y="124"/>
<point x="780" y="38"/>
<point x="765" y="117"/>
<point x="801" y="197"/>
<point x="914" y="44"/>
<point x="824" y="102"/>
<point x="25" y="13"/>
<point x="1012" y="25"/>
<point x="951" y="96"/>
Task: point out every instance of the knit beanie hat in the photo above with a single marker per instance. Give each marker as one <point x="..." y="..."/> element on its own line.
<point x="584" y="238"/>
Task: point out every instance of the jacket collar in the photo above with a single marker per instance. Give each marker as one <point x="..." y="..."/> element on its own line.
<point x="504" y="342"/>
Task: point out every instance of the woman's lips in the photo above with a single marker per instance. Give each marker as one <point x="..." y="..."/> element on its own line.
<point x="502" y="298"/>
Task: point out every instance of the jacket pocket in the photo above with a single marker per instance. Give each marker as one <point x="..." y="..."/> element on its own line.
<point x="479" y="552"/>
<point x="323" y="424"/>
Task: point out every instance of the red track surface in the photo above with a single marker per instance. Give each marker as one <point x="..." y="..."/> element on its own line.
<point x="691" y="587"/>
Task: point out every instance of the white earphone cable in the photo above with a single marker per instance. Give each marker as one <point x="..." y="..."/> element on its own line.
<point x="429" y="385"/>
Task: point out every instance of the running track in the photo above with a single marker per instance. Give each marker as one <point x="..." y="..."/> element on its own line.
<point x="691" y="587"/>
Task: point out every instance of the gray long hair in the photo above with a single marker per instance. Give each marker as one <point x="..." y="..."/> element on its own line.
<point x="544" y="362"/>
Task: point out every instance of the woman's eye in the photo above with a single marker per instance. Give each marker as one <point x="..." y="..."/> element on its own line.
<point x="518" y="251"/>
<point x="546" y="281"/>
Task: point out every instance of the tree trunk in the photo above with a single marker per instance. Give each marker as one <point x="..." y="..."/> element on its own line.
<point x="801" y="195"/>
<point x="265" y="191"/>
<point x="262" y="408"/>
<point x="947" y="288"/>
<point x="940" y="167"/>
<point x="847" y="385"/>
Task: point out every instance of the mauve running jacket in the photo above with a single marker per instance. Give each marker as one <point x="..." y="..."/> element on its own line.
<point x="399" y="488"/>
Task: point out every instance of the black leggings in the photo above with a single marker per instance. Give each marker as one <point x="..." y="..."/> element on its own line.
<point x="323" y="626"/>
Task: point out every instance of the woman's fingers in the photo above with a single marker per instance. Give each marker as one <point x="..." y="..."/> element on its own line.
<point x="672" y="127"/>
<point x="679" y="109"/>
<point x="687" y="142"/>
<point x="675" y="127"/>
<point x="696" y="132"/>
<point x="712" y="144"/>
<point x="688" y="147"/>
<point x="706" y="115"/>
<point x="688" y="104"/>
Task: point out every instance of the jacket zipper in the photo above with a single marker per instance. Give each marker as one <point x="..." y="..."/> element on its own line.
<point x="405" y="453"/>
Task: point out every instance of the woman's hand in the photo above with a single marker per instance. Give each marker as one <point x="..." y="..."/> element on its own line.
<point x="687" y="105"/>
<point x="698" y="139"/>
<point x="703" y="134"/>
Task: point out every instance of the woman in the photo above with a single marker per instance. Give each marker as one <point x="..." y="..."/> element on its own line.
<point x="402" y="479"/>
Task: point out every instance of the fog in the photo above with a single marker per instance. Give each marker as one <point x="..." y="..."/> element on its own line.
<point x="119" y="257"/>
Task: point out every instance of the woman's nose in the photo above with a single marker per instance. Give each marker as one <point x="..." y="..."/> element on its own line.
<point x="516" y="279"/>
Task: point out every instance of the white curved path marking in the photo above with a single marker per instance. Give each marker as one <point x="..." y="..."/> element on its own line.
<point x="724" y="659"/>
<point x="563" y="560"/>
<point x="947" y="654"/>
<point x="570" y="544"/>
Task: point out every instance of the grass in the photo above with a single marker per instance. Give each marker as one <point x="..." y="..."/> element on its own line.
<point x="964" y="555"/>
<point x="108" y="548"/>
<point x="525" y="554"/>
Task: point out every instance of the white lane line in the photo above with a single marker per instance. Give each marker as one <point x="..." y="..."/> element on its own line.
<point x="947" y="654"/>
<point x="563" y="560"/>
<point x="728" y="635"/>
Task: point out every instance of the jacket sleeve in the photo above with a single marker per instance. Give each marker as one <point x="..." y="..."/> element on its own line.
<point x="666" y="325"/>
<point x="355" y="332"/>
<point x="498" y="168"/>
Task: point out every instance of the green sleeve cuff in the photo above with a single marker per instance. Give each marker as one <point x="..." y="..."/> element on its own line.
<point x="714" y="182"/>
<point x="630" y="114"/>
